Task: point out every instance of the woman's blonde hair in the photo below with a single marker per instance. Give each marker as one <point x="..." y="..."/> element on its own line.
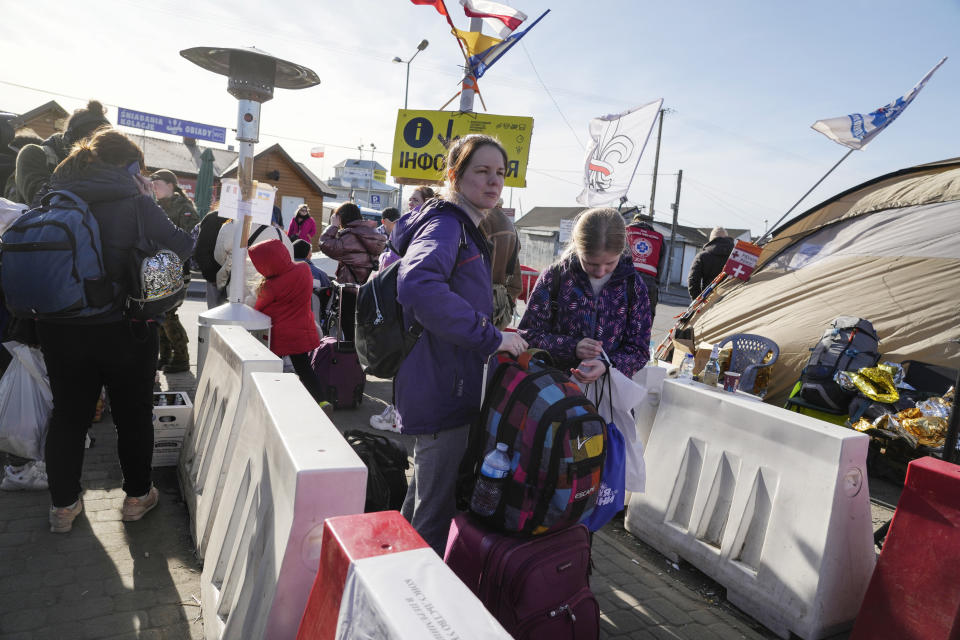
<point x="597" y="231"/>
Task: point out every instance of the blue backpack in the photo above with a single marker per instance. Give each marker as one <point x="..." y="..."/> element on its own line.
<point x="51" y="262"/>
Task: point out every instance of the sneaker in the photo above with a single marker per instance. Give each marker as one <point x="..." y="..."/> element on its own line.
<point x="176" y="367"/>
<point x="135" y="508"/>
<point x="386" y="421"/>
<point x="61" y="518"/>
<point x="29" y="477"/>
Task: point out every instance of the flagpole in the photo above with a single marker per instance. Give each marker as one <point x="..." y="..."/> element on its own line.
<point x="774" y="225"/>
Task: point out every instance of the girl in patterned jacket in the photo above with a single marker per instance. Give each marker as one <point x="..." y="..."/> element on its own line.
<point x="581" y="309"/>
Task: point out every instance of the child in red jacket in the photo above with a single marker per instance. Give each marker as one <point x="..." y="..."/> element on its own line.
<point x="285" y="297"/>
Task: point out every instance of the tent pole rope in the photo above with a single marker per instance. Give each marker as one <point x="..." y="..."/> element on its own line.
<point x="760" y="241"/>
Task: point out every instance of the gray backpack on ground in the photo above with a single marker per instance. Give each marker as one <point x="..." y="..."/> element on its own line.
<point x="848" y="345"/>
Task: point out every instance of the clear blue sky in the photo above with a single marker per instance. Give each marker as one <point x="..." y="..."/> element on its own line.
<point x="745" y="80"/>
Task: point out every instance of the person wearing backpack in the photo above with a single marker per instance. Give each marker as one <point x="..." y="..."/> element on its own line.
<point x="353" y="242"/>
<point x="174" y="357"/>
<point x="36" y="162"/>
<point x="85" y="353"/>
<point x="591" y="303"/>
<point x="444" y="284"/>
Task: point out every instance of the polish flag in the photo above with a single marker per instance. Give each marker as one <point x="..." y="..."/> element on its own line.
<point x="316" y="152"/>
<point x="509" y="16"/>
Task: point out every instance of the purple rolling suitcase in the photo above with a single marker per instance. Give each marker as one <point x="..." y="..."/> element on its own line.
<point x="335" y="361"/>
<point x="537" y="588"/>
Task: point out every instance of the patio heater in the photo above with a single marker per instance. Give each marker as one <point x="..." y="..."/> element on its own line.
<point x="252" y="74"/>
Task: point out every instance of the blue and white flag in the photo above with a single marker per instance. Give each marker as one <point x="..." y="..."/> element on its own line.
<point x="485" y="59"/>
<point x="857" y="130"/>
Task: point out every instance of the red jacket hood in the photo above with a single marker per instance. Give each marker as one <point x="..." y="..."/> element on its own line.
<point x="271" y="258"/>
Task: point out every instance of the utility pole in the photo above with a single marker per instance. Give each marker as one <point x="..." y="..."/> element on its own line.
<point x="673" y="229"/>
<point x="656" y="164"/>
<point x="469" y="80"/>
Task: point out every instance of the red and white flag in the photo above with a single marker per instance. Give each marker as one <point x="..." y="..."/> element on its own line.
<point x="510" y="17"/>
<point x="742" y="260"/>
<point x="316" y="152"/>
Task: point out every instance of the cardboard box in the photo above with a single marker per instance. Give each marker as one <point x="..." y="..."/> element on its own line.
<point x="176" y="413"/>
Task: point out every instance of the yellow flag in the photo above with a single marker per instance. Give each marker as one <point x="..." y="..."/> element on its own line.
<point x="475" y="41"/>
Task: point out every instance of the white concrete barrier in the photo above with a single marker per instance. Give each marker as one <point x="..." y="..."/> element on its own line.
<point x="209" y="443"/>
<point x="290" y="469"/>
<point x="771" y="504"/>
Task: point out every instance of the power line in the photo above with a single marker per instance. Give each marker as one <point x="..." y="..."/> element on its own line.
<point x="554" y="100"/>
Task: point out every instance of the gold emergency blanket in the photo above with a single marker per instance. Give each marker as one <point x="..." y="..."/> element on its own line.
<point x="876" y="383"/>
<point x="925" y="424"/>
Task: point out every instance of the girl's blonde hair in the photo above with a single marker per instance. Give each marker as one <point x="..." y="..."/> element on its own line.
<point x="597" y="231"/>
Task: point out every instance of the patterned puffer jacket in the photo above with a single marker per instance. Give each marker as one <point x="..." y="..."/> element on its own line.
<point x="620" y="322"/>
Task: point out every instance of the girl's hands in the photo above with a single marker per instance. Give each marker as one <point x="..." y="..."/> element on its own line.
<point x="589" y="349"/>
<point x="589" y="370"/>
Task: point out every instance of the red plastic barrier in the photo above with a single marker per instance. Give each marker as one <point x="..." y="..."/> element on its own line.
<point x="528" y="278"/>
<point x="345" y="540"/>
<point x="915" y="590"/>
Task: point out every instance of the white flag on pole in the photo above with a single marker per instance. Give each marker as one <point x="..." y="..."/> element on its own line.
<point x="617" y="142"/>
<point x="857" y="130"/>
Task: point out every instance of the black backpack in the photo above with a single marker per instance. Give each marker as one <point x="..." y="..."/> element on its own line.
<point x="387" y="464"/>
<point x="382" y="337"/>
<point x="849" y="344"/>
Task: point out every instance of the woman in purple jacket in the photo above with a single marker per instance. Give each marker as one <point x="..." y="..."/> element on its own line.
<point x="591" y="312"/>
<point x="444" y="284"/>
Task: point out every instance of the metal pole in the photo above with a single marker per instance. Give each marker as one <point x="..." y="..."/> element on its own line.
<point x="656" y="165"/>
<point x="373" y="148"/>
<point x="673" y="229"/>
<point x="950" y="442"/>
<point x="469" y="80"/>
<point x="246" y="108"/>
<point x="774" y="226"/>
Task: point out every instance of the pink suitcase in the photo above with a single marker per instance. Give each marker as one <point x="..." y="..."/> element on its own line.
<point x="538" y="588"/>
<point x="339" y="373"/>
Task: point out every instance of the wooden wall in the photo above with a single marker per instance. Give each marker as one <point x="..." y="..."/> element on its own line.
<point x="46" y="124"/>
<point x="290" y="184"/>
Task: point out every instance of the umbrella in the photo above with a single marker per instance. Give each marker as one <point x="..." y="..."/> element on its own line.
<point x="204" y="182"/>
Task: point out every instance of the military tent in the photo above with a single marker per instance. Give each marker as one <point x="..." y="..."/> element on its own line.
<point x="887" y="250"/>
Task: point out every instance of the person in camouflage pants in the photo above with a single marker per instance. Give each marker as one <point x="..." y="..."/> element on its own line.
<point x="174" y="357"/>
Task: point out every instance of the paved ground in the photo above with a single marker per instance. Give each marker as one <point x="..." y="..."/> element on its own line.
<point x="109" y="579"/>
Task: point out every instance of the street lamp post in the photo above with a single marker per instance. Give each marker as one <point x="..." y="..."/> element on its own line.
<point x="406" y="94"/>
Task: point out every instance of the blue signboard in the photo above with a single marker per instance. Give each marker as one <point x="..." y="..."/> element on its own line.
<point x="374" y="199"/>
<point x="173" y="126"/>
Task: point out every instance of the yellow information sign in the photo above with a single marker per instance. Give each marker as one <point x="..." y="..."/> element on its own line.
<point x="379" y="176"/>
<point x="419" y="152"/>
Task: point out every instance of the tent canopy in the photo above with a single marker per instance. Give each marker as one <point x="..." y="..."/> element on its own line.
<point x="887" y="250"/>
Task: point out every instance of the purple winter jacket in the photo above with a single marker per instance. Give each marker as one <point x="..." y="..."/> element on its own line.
<point x="625" y="333"/>
<point x="438" y="384"/>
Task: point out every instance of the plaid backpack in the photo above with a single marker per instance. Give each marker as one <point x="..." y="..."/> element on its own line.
<point x="556" y="442"/>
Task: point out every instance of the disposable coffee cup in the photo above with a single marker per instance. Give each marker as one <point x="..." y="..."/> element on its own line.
<point x="731" y="381"/>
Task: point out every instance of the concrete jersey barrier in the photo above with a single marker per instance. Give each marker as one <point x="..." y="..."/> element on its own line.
<point x="221" y="397"/>
<point x="289" y="471"/>
<point x="771" y="504"/>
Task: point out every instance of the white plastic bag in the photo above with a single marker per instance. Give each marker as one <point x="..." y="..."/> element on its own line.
<point x="25" y="403"/>
<point x="627" y="398"/>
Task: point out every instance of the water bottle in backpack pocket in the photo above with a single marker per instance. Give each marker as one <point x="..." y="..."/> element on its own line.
<point x="556" y="441"/>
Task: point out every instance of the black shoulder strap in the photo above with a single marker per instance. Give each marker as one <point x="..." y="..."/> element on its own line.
<point x="554" y="288"/>
<point x="256" y="234"/>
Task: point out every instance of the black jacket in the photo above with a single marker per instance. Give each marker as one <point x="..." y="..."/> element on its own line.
<point x="206" y="243"/>
<point x="114" y="200"/>
<point x="708" y="264"/>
